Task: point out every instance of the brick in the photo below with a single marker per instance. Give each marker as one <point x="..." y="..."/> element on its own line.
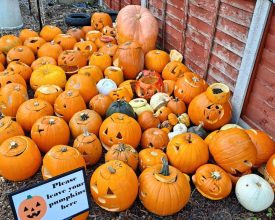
<point x="178" y="25"/>
<point x="246" y="5"/>
<point x="175" y="11"/>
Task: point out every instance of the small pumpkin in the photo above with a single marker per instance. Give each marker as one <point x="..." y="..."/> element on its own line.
<point x="92" y="35"/>
<point x="22" y="54"/>
<point x="149" y="157"/>
<point x="100" y="60"/>
<point x="27" y="33"/>
<point x="34" y="43"/>
<point x="156" y="60"/>
<point x="162" y="113"/>
<point x="235" y="177"/>
<point x="177" y="129"/>
<point x="109" y="49"/>
<point x="86" y="47"/>
<point x="91" y="71"/>
<point x="100" y="103"/>
<point x="21" y="68"/>
<point x="50" y="49"/>
<point x="269" y="171"/>
<point x="174" y="70"/>
<point x="114" y="73"/>
<point x="140" y="105"/>
<point x="184" y="119"/>
<point x="8" y="76"/>
<point x="155" y="138"/>
<point x="100" y="19"/>
<point x="48" y="32"/>
<point x="8" y="42"/>
<point x="173" y="119"/>
<point x="48" y="93"/>
<point x="148" y="119"/>
<point x="9" y="128"/>
<point x="120" y="94"/>
<point x="105" y="86"/>
<point x="66" y="41"/>
<point x="218" y="93"/>
<point x="77" y="33"/>
<point x="129" y="84"/>
<point x="177" y="106"/>
<point x="120" y="106"/>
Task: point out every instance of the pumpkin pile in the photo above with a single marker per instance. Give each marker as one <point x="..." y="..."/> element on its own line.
<point x="109" y="87"/>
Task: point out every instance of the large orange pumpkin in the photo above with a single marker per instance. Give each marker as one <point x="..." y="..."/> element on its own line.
<point x="43" y="61"/>
<point x="114" y="73"/>
<point x="34" y="43"/>
<point x="148" y="119"/>
<point x="48" y="93"/>
<point x="22" y="54"/>
<point x="100" y="103"/>
<point x="50" y="49"/>
<point x="156" y="60"/>
<point x="136" y="23"/>
<point x="92" y="71"/>
<point x="270" y="171"/>
<point x="86" y="47"/>
<point x="149" y="157"/>
<point x="109" y="49"/>
<point x="92" y="35"/>
<point x="21" y="68"/>
<point x="8" y="42"/>
<point x="9" y="128"/>
<point x="77" y="33"/>
<point x="48" y="32"/>
<point x="174" y="70"/>
<point x="100" y="60"/>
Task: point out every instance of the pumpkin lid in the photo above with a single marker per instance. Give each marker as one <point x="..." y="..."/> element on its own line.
<point x="14" y="146"/>
<point x="5" y="123"/>
<point x="130" y="45"/>
<point x="86" y="138"/>
<point x="63" y="152"/>
<point x="193" y="79"/>
<point x="49" y="89"/>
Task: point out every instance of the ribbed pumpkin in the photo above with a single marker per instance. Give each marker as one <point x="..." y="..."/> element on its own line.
<point x="8" y="76"/>
<point x="123" y="152"/>
<point x="2" y="58"/>
<point x="85" y="120"/>
<point x="34" y="43"/>
<point x="100" y="60"/>
<point x="156" y="60"/>
<point x="162" y="113"/>
<point x="169" y="86"/>
<point x="22" y="54"/>
<point x="154" y="137"/>
<point x="114" y="73"/>
<point x="172" y="186"/>
<point x="149" y="157"/>
<point x="148" y="119"/>
<point x="187" y="152"/>
<point x="233" y="150"/>
<point x="8" y="42"/>
<point x="269" y="172"/>
<point x="27" y="33"/>
<point x="86" y="47"/>
<point x="89" y="146"/>
<point x="91" y="71"/>
<point x="77" y="33"/>
<point x="49" y="131"/>
<point x="128" y="84"/>
<point x="48" y="93"/>
<point x="100" y="103"/>
<point x="66" y="41"/>
<point x="9" y="128"/>
<point x="177" y="106"/>
<point x="35" y="109"/>
<point x="174" y="70"/>
<point x="43" y="61"/>
<point x="119" y="128"/>
<point x="61" y="159"/>
<point x="50" y="49"/>
<point x="19" y="158"/>
<point x="210" y="136"/>
<point x="21" y="68"/>
<point x="48" y="32"/>
<point x="109" y="49"/>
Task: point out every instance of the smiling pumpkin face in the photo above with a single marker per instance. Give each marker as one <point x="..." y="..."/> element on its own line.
<point x="34" y="207"/>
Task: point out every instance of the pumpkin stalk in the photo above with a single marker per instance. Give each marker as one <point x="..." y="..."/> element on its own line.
<point x="36" y="103"/>
<point x="13" y="145"/>
<point x="165" y="167"/>
<point x="111" y="170"/>
<point x="84" y="116"/>
<point x="51" y="121"/>
<point x="189" y="138"/>
<point x="216" y="175"/>
<point x="64" y="149"/>
<point x="121" y="147"/>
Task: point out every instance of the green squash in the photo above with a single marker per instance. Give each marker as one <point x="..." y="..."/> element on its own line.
<point x="121" y="106"/>
<point x="199" y="130"/>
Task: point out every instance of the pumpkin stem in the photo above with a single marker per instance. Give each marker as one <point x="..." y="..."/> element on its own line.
<point x="165" y="167"/>
<point x="51" y="121"/>
<point x="36" y="103"/>
<point x="69" y="93"/>
<point x="29" y="197"/>
<point x="17" y="88"/>
<point x="195" y="79"/>
<point x="86" y="133"/>
<point x="84" y="116"/>
<point x="13" y="145"/>
<point x="189" y="138"/>
<point x="121" y="147"/>
<point x="199" y="126"/>
<point x="64" y="149"/>
<point x="258" y="184"/>
<point x="111" y="170"/>
<point x="216" y="175"/>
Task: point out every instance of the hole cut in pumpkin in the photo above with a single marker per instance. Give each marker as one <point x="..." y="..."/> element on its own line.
<point x="94" y="188"/>
<point x="119" y="135"/>
<point x="110" y="194"/>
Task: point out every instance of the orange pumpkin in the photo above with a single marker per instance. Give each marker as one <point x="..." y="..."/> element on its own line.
<point x="218" y="93"/>
<point x="86" y="47"/>
<point x="209" y="137"/>
<point x="156" y="60"/>
<point x="8" y="42"/>
<point x="21" y="53"/>
<point x="120" y="94"/>
<point x="34" y="43"/>
<point x="27" y="33"/>
<point x="100" y="19"/>
<point x="86" y="29"/>
<point x="2" y="68"/>
<point x="212" y="182"/>
<point x="61" y="159"/>
<point x="68" y="103"/>
<point x="162" y="113"/>
<point x="8" y="76"/>
<point x="9" y="128"/>
<point x="129" y="85"/>
<point x="66" y="41"/>
<point x="148" y="119"/>
<point x="233" y="150"/>
<point x="36" y="108"/>
<point x="92" y="71"/>
<point x="174" y="70"/>
<point x="119" y="128"/>
<point x="49" y="131"/>
<point x="149" y="157"/>
<point x="19" y="158"/>
<point x="50" y="49"/>
<point x="177" y="106"/>
<point x="104" y="40"/>
<point x="48" y="93"/>
<point x="85" y="120"/>
<point x="109" y="31"/>
<point x="93" y="35"/>
<point x="270" y="171"/>
<point x="130" y="58"/>
<point x="2" y="58"/>
<point x="172" y="118"/>
<point x="136" y="23"/>
<point x="21" y="68"/>
<point x="114" y="73"/>
<point x="123" y="152"/>
<point x="100" y="60"/>
<point x="154" y="137"/>
<point x="48" y="32"/>
<point x="187" y="152"/>
<point x="100" y="103"/>
<point x="77" y="33"/>
<point x="89" y="146"/>
<point x="169" y="86"/>
<point x="43" y="61"/>
<point x="109" y="49"/>
<point x="11" y="97"/>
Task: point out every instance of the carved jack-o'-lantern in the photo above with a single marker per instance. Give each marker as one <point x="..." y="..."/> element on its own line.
<point x="34" y="207"/>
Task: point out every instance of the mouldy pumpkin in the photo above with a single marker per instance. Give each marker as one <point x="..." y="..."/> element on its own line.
<point x="105" y="86"/>
<point x="149" y="157"/>
<point x="9" y="128"/>
<point x="158" y="100"/>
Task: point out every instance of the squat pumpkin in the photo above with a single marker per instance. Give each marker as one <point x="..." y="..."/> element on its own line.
<point x="8" y="76"/>
<point x="22" y="54"/>
<point x="21" y="68"/>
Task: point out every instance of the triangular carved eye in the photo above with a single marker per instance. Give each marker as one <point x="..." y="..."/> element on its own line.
<point x="119" y="136"/>
<point x="106" y="131"/>
<point x="37" y="204"/>
<point x="26" y="209"/>
<point x="110" y="192"/>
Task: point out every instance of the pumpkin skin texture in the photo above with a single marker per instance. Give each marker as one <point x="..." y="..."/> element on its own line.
<point x="210" y="136"/>
<point x="212" y="182"/>
<point x="7" y="77"/>
<point x="89" y="146"/>
<point x="156" y="60"/>
<point x="120" y="94"/>
<point x="50" y="49"/>
<point x="233" y="150"/>
<point x="120" y="106"/>
<point x="21" y="68"/>
<point x="43" y="61"/>
<point x="91" y="71"/>
<point x="119" y="128"/>
<point x="22" y="54"/>
<point x="148" y="119"/>
<point x="174" y="70"/>
<point x="218" y="93"/>
<point x="104" y="40"/>
<point x="128" y="84"/>
<point x="2" y="68"/>
<point x="169" y="86"/>
<point x="48" y="93"/>
<point x="264" y="144"/>
<point x="33" y="207"/>
<point x="180" y="149"/>
<point x="154" y="137"/>
<point x="49" y="131"/>
<point x="36" y="108"/>
<point x="2" y="58"/>
<point x="100" y="19"/>
<point x="27" y="33"/>
<point x="68" y="103"/>
<point x="12" y="96"/>
<point x="130" y="58"/>
<point x="136" y="23"/>
<point x="85" y="120"/>
<point x="61" y="159"/>
<point x="86" y="29"/>
<point x="93" y="35"/>
<point x="163" y="113"/>
<point x="269" y="172"/>
<point x="177" y="106"/>
<point x="9" y="128"/>
<point x="19" y="158"/>
<point x="100" y="103"/>
<point x="48" y="32"/>
<point x="149" y="157"/>
<point x="235" y="177"/>
<point x="8" y="42"/>
<point x="123" y="152"/>
<point x="172" y="185"/>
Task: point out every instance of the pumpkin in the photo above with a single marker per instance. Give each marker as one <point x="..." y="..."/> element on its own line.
<point x="210" y="136"/>
<point x="100" y="103"/>
<point x="48" y="74"/>
<point x="85" y="120"/>
<point x="254" y="193"/>
<point x="27" y="33"/>
<point x="189" y="86"/>
<point x="187" y="152"/>
<point x="89" y="146"/>
<point x="66" y="41"/>
<point x="212" y="115"/>
<point x="166" y="126"/>
<point x="106" y="186"/>
<point x="86" y="29"/>
<point x="156" y="60"/>
<point x="22" y="54"/>
<point x="173" y="187"/>
<point x="120" y="106"/>
<point x="148" y="119"/>
<point x="269" y="171"/>
<point x="175" y="56"/>
<point x="77" y="33"/>
<point x="114" y="73"/>
<point x="48" y="93"/>
<point x="140" y="105"/>
<point x="227" y="126"/>
<point x="9" y="128"/>
<point x="71" y="61"/>
<point x="49" y="131"/>
<point x="120" y="94"/>
<point x="149" y="157"/>
<point x="199" y="130"/>
<point x="173" y="119"/>
<point x="154" y="137"/>
<point x="92" y="35"/>
<point x="34" y="43"/>
<point x="100" y="60"/>
<point x="8" y="42"/>
<point x="84" y="84"/>
<point x="2" y="68"/>
<point x="33" y="207"/>
<point x="8" y="76"/>
<point x="265" y="146"/>
<point x="50" y="49"/>
<point x="48" y="32"/>
<point x="2" y="58"/>
<point x="128" y="84"/>
<point x="100" y="19"/>
<point x="19" y="158"/>
<point x="36" y="108"/>
<point x="119" y="128"/>
<point x="130" y="58"/>
<point x="233" y="150"/>
<point x="109" y="49"/>
<point x="174" y="70"/>
<point x="123" y="152"/>
<point x="61" y="159"/>
<point x="218" y="93"/>
<point x="169" y="86"/>
<point x="212" y="182"/>
<point x="148" y="84"/>
<point x="177" y="129"/>
<point x="91" y="71"/>
<point x="12" y="96"/>
<point x="136" y="23"/>
<point x="68" y="103"/>
<point x="177" y="106"/>
<point x="159" y="100"/>
<point x="104" y="40"/>
<point x="109" y="31"/>
<point x="21" y="68"/>
<point x="105" y="86"/>
<point x="86" y="47"/>
<point x="184" y="119"/>
<point x="162" y="113"/>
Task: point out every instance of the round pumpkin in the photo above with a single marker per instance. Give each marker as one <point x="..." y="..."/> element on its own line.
<point x="48" y="32"/>
<point x="66" y="41"/>
<point x="27" y="33"/>
<point x="100" y="60"/>
<point x="9" y="128"/>
<point x="148" y="119"/>
<point x="218" y="93"/>
<point x="21" y="68"/>
<point x="48" y="93"/>
<point x="91" y="71"/>
<point x="34" y="43"/>
<point x="149" y="157"/>
<point x="86" y="47"/>
<point x="19" y="158"/>
<point x="43" y="61"/>
<point x="92" y="35"/>
<point x="120" y="106"/>
<point x="162" y="113"/>
<point x="9" y="76"/>
<point x="22" y="54"/>
<point x="120" y="94"/>
<point x="128" y="84"/>
<point x="114" y="73"/>
<point x="169" y="86"/>
<point x="100" y="19"/>
<point x="109" y="49"/>
<point x="49" y="131"/>
<point x="50" y="49"/>
<point x="177" y="106"/>
<point x="269" y="172"/>
<point x="154" y="137"/>
<point x="100" y="103"/>
<point x="77" y="33"/>
<point x="105" y="86"/>
<point x="8" y="42"/>
<point x="174" y="70"/>
<point x="156" y="60"/>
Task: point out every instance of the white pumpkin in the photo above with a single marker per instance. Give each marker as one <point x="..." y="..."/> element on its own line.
<point x="140" y="105"/>
<point x="158" y="100"/>
<point x="254" y="193"/>
<point x="180" y="127"/>
<point x="228" y="126"/>
<point x="105" y="86"/>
